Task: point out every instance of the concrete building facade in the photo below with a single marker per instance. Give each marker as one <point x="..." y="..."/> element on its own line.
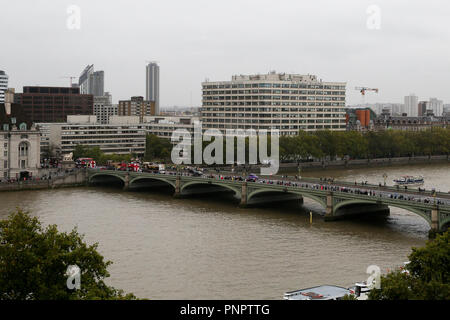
<point x="152" y="84"/>
<point x="104" y="108"/>
<point x="92" y="82"/>
<point x="19" y="142"/>
<point x="288" y="102"/>
<point x="54" y="104"/>
<point x="110" y="138"/>
<point x="437" y="106"/>
<point x="136" y="106"/>
<point x="3" y="85"/>
<point x="411" y="105"/>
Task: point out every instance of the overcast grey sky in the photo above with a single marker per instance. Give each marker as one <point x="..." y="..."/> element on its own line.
<point x="197" y="39"/>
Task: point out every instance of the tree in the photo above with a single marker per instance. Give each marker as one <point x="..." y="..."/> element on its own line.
<point x="428" y="276"/>
<point x="34" y="261"/>
<point x="157" y="148"/>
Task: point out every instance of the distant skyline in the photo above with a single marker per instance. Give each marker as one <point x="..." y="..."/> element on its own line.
<point x="195" y="40"/>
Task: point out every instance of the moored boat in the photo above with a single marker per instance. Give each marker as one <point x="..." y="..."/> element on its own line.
<point x="325" y="292"/>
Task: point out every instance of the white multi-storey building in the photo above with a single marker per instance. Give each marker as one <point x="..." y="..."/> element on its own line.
<point x="3" y="85"/>
<point x="288" y="102"/>
<point x="110" y="138"/>
<point x="437" y="106"/>
<point x="411" y="105"/>
<point x="104" y="109"/>
<point x="161" y="126"/>
<point x="92" y="82"/>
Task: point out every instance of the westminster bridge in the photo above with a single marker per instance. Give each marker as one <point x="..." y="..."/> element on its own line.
<point x="339" y="199"/>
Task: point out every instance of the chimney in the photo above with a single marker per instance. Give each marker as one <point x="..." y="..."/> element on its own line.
<point x="9" y="99"/>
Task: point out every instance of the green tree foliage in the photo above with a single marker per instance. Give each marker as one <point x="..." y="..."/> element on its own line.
<point x="428" y="278"/>
<point x="359" y="145"/>
<point x="157" y="149"/>
<point x="34" y="261"/>
<point x="82" y="151"/>
<point x="331" y="144"/>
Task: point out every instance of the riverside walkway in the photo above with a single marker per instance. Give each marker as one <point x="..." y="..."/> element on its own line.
<point x="339" y="199"/>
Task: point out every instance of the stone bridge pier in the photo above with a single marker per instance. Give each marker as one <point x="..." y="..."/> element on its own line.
<point x="177" y="193"/>
<point x="126" y="181"/>
<point x="244" y="194"/>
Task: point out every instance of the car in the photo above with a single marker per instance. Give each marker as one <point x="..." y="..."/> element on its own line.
<point x="252" y="177"/>
<point x="196" y="173"/>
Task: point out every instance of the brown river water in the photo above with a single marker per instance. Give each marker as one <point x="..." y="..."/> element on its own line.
<point x="209" y="248"/>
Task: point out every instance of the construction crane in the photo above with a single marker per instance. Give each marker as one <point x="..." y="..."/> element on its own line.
<point x="70" y="79"/>
<point x="363" y="90"/>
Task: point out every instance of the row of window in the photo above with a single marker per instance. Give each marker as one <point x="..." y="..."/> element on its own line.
<point x="22" y="126"/>
<point x="290" y="110"/>
<point x="274" y="121"/>
<point x="310" y="98"/>
<point x="264" y="103"/>
<point x="273" y="116"/>
<point x="311" y="92"/>
<point x="122" y="137"/>
<point x="273" y="85"/>
<point x="296" y="128"/>
<point x="102" y="142"/>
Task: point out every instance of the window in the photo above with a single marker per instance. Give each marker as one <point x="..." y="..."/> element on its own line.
<point x="23" y="149"/>
<point x="23" y="126"/>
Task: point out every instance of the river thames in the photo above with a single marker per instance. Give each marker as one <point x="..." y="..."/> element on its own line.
<point x="209" y="248"/>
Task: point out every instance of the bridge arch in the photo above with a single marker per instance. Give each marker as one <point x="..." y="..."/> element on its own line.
<point x="154" y="178"/>
<point x="97" y="177"/>
<point x="397" y="205"/>
<point x="313" y="197"/>
<point x="444" y="222"/>
<point x="236" y="190"/>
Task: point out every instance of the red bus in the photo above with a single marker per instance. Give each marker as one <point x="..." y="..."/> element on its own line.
<point x="85" y="162"/>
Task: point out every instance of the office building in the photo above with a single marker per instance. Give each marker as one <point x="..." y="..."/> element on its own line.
<point x="288" y="102"/>
<point x="84" y="79"/>
<point x="117" y="139"/>
<point x="437" y="106"/>
<point x="104" y="108"/>
<point x="3" y="85"/>
<point x="163" y="127"/>
<point x="19" y="142"/>
<point x="411" y="105"/>
<point x="54" y="104"/>
<point x="136" y="106"/>
<point x="423" y="107"/>
<point x="407" y="123"/>
<point x="92" y="82"/>
<point x="152" y="84"/>
<point x="97" y="84"/>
